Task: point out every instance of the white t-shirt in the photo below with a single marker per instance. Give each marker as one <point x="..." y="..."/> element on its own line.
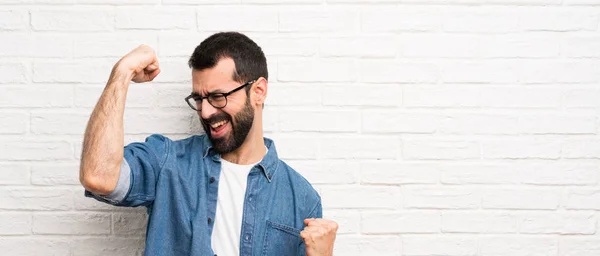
<point x="225" y="239"/>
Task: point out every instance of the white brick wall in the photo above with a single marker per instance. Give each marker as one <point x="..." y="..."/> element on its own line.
<point x="430" y="127"/>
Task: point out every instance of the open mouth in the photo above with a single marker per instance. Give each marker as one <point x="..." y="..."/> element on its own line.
<point x="217" y="129"/>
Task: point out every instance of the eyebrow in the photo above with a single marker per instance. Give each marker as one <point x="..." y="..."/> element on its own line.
<point x="209" y="93"/>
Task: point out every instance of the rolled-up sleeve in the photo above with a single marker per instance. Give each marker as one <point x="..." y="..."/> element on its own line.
<point x="139" y="173"/>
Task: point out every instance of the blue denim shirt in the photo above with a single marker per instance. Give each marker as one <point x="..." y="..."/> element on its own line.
<point x="178" y="181"/>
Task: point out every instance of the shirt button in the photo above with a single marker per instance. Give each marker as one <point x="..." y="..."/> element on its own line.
<point x="212" y="179"/>
<point x="247" y="237"/>
<point x="209" y="220"/>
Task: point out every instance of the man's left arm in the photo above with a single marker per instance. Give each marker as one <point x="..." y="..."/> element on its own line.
<point x="319" y="234"/>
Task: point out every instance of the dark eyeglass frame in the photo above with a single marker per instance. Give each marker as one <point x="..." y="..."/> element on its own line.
<point x="212" y="96"/>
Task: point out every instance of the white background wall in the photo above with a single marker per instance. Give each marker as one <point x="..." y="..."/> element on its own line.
<point x="430" y="127"/>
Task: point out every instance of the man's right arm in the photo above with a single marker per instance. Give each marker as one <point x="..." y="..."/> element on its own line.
<point x="103" y="143"/>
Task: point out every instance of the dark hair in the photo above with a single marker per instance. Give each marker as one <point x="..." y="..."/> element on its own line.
<point x="249" y="59"/>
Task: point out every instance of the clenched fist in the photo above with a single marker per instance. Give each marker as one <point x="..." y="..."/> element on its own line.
<point x="319" y="236"/>
<point x="141" y="64"/>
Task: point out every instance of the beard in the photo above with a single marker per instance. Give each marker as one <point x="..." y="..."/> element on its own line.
<point x="239" y="129"/>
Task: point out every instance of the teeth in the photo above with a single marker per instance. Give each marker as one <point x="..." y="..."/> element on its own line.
<point x="217" y="124"/>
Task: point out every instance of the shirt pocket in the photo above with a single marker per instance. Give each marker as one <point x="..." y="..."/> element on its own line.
<point x="282" y="240"/>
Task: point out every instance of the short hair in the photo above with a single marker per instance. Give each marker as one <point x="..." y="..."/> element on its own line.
<point x="250" y="61"/>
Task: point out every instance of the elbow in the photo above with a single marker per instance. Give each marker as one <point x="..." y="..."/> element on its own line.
<point x="94" y="184"/>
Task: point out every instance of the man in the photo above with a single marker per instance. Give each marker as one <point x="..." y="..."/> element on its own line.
<point x="222" y="193"/>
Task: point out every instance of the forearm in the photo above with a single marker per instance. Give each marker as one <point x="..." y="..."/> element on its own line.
<point x="103" y="142"/>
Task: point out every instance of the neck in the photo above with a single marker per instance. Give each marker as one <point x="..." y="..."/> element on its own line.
<point x="251" y="151"/>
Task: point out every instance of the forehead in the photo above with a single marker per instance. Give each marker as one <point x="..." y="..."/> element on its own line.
<point x="216" y="78"/>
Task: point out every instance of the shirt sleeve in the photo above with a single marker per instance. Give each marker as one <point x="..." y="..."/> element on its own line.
<point x="144" y="161"/>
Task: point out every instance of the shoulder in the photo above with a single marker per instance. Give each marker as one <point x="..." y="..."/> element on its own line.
<point x="304" y="189"/>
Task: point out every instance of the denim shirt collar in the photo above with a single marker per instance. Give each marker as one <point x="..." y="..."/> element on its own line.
<point x="268" y="164"/>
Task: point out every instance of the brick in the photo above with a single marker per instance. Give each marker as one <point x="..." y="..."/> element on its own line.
<point x="35" y="199"/>
<point x="118" y="246"/>
<point x="441" y="96"/>
<point x="110" y="45"/>
<point x="558" y="124"/>
<point x="194" y="2"/>
<point x="155" y="18"/>
<point x="581" y="46"/>
<point x="545" y="72"/>
<point x="362" y="95"/>
<point x="30" y="246"/>
<point x="176" y="44"/>
<point x="296" y="146"/>
<point x="323" y="70"/>
<point x="360" y="197"/>
<point x="283" y="94"/>
<point x="398" y="173"/>
<point x="521" y="97"/>
<point x="559" y="173"/>
<point x="367" y="245"/>
<point x="582" y="98"/>
<point x="395" y="19"/>
<point x="444" y="245"/>
<point x="327" y="172"/>
<point x="521" y="198"/>
<point x="15" y="224"/>
<point x="71" y="223"/>
<point x="440" y="149"/>
<point x="14" y="20"/>
<point x="146" y="122"/>
<point x="228" y="18"/>
<point x="519" y="46"/>
<point x="175" y="71"/>
<point x="583" y="199"/>
<point x="581" y="148"/>
<point x="511" y="148"/>
<point x="374" y="46"/>
<point x="319" y="121"/>
<point x="581" y="2"/>
<point x="486" y="123"/>
<point x="59" y="122"/>
<point x="35" y="45"/>
<point x="378" y="71"/>
<point x="579" y="246"/>
<point x="14" y="122"/>
<point x="73" y="20"/>
<point x="318" y="20"/>
<point x="565" y="223"/>
<point x="14" y="72"/>
<point x="525" y="2"/>
<point x="518" y="246"/>
<point x="288" y="46"/>
<point x="439" y="46"/>
<point x="72" y="71"/>
<point x="471" y="21"/>
<point x="479" y="222"/>
<point x="440" y="198"/>
<point x="36" y="96"/>
<point x="347" y="220"/>
<point x="119" y="2"/>
<point x="55" y="174"/>
<point x="129" y="223"/>
<point x="281" y="2"/>
<point x="172" y="96"/>
<point x="400" y="222"/>
<point x="14" y="174"/>
<point x="359" y="147"/>
<point x="35" y="150"/>
<point x="479" y="72"/>
<point x="138" y="96"/>
<point x="563" y="19"/>
<point x="479" y="173"/>
<point x="399" y="122"/>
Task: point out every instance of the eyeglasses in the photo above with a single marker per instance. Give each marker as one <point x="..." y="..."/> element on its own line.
<point x="217" y="100"/>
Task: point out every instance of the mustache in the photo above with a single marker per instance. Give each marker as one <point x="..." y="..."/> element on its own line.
<point x="216" y="118"/>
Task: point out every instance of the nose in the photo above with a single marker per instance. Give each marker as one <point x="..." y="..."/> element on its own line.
<point x="207" y="110"/>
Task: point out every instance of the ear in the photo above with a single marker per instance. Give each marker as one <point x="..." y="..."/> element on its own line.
<point x="259" y="91"/>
